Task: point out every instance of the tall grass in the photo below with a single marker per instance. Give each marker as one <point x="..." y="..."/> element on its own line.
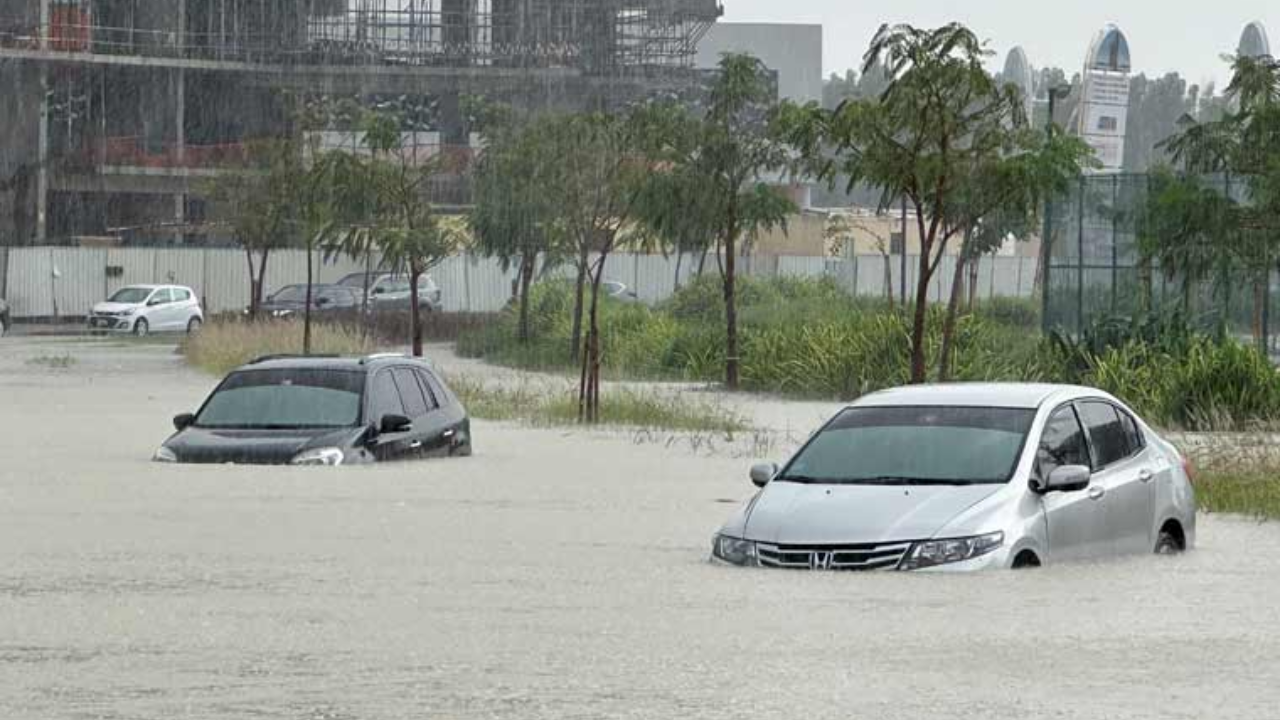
<point x="555" y="404"/>
<point x="1255" y="494"/>
<point x="223" y="346"/>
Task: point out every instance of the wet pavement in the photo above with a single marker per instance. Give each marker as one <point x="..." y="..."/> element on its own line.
<point x="554" y="575"/>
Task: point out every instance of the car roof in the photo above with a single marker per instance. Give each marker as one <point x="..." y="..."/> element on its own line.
<point x="332" y="362"/>
<point x="1028" y="396"/>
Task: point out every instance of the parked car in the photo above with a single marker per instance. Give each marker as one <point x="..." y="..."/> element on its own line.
<point x="618" y="291"/>
<point x="391" y="291"/>
<point x="323" y="411"/>
<point x="327" y="302"/>
<point x="146" y="309"/>
<point x="968" y="477"/>
<point x="6" y="321"/>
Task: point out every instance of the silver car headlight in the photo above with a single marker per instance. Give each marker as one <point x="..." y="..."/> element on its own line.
<point x="933" y="553"/>
<point x="165" y="455"/>
<point x="733" y="550"/>
<point x="128" y="312"/>
<point x="320" y="456"/>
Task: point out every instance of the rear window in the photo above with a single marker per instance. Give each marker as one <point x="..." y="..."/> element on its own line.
<point x="915" y="445"/>
<point x="1106" y="433"/>
<point x="285" y="399"/>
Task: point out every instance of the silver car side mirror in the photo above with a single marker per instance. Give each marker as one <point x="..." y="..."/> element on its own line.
<point x="1068" y="478"/>
<point x="764" y="472"/>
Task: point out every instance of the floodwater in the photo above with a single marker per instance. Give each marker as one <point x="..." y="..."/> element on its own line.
<point x="554" y="575"/>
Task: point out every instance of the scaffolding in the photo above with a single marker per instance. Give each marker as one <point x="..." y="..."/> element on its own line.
<point x="594" y="36"/>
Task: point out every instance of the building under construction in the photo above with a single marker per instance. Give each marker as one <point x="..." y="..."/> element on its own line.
<point x="113" y="112"/>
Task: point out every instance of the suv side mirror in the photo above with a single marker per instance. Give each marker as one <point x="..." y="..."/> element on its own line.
<point x="323" y="301"/>
<point x="1068" y="478"/>
<point x="763" y="473"/>
<point x="183" y="421"/>
<point x="394" y="424"/>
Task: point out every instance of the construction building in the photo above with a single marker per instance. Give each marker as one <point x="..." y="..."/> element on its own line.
<point x="113" y="112"/>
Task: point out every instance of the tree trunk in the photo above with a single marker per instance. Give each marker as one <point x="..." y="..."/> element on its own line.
<point x="731" y="364"/>
<point x="702" y="263"/>
<point x="306" y="311"/>
<point x="973" y="283"/>
<point x="921" y="318"/>
<point x="525" y="280"/>
<point x="589" y="385"/>
<point x="262" y="278"/>
<point x="1259" y="302"/>
<point x="253" y="285"/>
<point x="415" y="313"/>
<point x="888" y="279"/>
<point x="949" y="326"/>
<point x="679" y="262"/>
<point x="575" y="341"/>
<point x="365" y="319"/>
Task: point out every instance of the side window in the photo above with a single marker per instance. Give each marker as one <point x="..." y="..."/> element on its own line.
<point x="1106" y="434"/>
<point x="161" y="297"/>
<point x="1062" y="443"/>
<point x="435" y="393"/>
<point x="414" y="404"/>
<point x="180" y="295"/>
<point x="386" y="397"/>
<point x="1132" y="433"/>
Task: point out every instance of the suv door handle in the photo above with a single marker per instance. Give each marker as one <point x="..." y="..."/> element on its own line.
<point x="1146" y="475"/>
<point x="415" y="445"/>
<point x="1097" y="492"/>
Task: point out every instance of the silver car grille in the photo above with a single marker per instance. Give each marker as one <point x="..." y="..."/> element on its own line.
<point x="884" y="556"/>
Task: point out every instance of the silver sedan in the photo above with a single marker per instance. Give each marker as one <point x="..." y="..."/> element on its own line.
<point x="967" y="477"/>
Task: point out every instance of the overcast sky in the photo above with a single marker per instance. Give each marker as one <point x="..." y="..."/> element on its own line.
<point x="1164" y="35"/>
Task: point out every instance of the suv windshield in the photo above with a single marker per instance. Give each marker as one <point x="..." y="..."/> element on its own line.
<point x="295" y="294"/>
<point x="131" y="296"/>
<point x="285" y="399"/>
<point x="914" y="446"/>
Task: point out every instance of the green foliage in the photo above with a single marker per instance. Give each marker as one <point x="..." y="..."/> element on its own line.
<point x="1254" y="493"/>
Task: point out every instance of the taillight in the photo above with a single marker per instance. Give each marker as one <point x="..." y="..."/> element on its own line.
<point x="1188" y="469"/>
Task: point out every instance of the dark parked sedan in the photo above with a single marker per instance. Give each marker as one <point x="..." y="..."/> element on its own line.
<point x="327" y="302"/>
<point x="323" y="411"/>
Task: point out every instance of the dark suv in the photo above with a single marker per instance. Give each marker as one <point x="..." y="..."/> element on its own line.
<point x="293" y="410"/>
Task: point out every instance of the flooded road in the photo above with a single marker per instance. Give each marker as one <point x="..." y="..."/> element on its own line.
<point x="552" y="576"/>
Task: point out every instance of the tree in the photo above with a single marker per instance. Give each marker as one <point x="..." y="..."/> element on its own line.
<point x="515" y="217"/>
<point x="1243" y="144"/>
<point x="259" y="204"/>
<point x="717" y="162"/>
<point x="937" y="134"/>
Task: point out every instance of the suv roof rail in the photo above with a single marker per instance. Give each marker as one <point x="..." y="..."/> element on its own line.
<point x="290" y="356"/>
<point x="381" y="356"/>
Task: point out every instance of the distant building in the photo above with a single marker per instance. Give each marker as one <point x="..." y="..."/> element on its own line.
<point x="794" y="52"/>
<point x="1017" y="70"/>
<point x="1104" y="109"/>
<point x="1254" y="42"/>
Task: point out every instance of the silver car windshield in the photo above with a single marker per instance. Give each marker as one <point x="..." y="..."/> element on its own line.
<point x="914" y="446"/>
<point x="131" y="296"/>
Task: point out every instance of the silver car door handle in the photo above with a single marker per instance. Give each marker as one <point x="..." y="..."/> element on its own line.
<point x="1146" y="475"/>
<point x="1096" y="492"/>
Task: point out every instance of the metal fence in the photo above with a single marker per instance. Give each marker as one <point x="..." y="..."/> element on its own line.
<point x="1096" y="269"/>
<point x="48" y="282"/>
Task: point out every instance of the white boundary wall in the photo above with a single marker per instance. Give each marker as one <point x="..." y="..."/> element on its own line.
<point x="470" y="284"/>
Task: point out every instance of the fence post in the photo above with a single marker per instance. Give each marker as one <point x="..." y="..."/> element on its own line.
<point x="1080" y="258"/>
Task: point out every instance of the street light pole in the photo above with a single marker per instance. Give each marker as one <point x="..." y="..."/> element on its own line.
<point x="1046" y="242"/>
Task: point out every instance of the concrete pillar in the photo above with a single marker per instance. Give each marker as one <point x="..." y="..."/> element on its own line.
<point x="46" y="21"/>
<point x="180" y="144"/>
<point x="42" y="154"/>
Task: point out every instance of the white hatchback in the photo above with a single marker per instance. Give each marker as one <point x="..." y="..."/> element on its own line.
<point x="144" y="309"/>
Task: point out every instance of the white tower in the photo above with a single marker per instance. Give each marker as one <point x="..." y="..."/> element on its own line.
<point x="1017" y="70"/>
<point x="1104" y="109"/>
<point x="1254" y="42"/>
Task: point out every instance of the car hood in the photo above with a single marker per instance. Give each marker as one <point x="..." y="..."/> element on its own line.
<point x="796" y="514"/>
<point x="253" y="447"/>
<point x="115" y="307"/>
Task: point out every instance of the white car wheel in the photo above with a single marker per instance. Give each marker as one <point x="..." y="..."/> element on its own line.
<point x="193" y="325"/>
